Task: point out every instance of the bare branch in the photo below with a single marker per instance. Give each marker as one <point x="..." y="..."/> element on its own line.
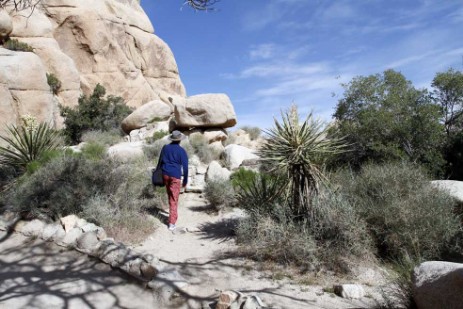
<point x="19" y="5"/>
<point x="202" y="5"/>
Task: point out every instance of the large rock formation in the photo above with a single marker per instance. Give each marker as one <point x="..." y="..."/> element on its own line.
<point x="83" y="43"/>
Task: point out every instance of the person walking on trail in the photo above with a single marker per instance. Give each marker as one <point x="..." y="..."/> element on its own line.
<point x="173" y="159"/>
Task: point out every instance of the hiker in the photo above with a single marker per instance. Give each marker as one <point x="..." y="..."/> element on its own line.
<point x="173" y="159"/>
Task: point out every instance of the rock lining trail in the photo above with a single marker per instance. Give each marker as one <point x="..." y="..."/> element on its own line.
<point x="37" y="274"/>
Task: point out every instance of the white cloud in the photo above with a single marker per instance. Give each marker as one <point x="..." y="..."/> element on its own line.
<point x="262" y="51"/>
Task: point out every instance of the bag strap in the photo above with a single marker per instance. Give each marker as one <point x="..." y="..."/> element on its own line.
<point x="160" y="157"/>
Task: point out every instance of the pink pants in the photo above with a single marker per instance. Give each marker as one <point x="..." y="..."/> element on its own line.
<point x="173" y="191"/>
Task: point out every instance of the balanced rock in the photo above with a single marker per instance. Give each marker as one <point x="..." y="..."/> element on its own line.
<point x="153" y="111"/>
<point x="205" y="110"/>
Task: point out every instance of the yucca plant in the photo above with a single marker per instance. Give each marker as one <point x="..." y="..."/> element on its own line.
<point x="299" y="151"/>
<point x="27" y="142"/>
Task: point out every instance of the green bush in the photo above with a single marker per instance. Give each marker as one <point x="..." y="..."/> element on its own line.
<point x="14" y="44"/>
<point x="263" y="194"/>
<point x="254" y="132"/>
<point x="406" y="216"/>
<point x="242" y="178"/>
<point x="94" y="151"/>
<point x="219" y="193"/>
<point x="54" y="83"/>
<point x="156" y="136"/>
<point x="93" y="113"/>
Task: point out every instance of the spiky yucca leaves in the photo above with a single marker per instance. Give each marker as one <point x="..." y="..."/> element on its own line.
<point x="299" y="151"/>
<point x="27" y="142"/>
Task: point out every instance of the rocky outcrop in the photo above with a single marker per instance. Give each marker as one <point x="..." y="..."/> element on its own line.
<point x="438" y="285"/>
<point x="82" y="43"/>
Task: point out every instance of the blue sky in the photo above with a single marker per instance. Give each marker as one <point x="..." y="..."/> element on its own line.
<point x="268" y="54"/>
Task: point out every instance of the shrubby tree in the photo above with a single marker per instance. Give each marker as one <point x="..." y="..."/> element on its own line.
<point x="93" y="113"/>
<point x="385" y="118"/>
<point x="448" y="93"/>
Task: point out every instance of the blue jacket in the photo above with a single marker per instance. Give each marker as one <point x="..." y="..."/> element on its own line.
<point x="172" y="159"/>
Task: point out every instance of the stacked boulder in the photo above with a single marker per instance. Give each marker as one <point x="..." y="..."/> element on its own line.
<point x="201" y="117"/>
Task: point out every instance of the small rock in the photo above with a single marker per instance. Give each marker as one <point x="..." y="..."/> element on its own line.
<point x="87" y="242"/>
<point x="252" y="302"/>
<point x="70" y="239"/>
<point x="53" y="232"/>
<point x="33" y="228"/>
<point x="69" y="222"/>
<point x="350" y="291"/>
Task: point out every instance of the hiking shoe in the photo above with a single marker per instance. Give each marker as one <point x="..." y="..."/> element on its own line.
<point x="171" y="227"/>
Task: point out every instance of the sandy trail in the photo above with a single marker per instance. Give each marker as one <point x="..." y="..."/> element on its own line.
<point x="37" y="274"/>
<point x="200" y="255"/>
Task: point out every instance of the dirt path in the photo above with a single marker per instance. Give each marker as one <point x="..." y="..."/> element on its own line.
<point x="199" y="250"/>
<point x="37" y="274"/>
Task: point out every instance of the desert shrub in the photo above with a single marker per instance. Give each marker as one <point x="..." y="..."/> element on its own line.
<point x="93" y="113"/>
<point x="152" y="151"/>
<point x="283" y="241"/>
<point x="254" y="132"/>
<point x="399" y="292"/>
<point x="406" y="216"/>
<point x="8" y="174"/>
<point x="53" y="82"/>
<point x="45" y="157"/>
<point x="263" y="194"/>
<point x="27" y="143"/>
<point x="102" y="191"/>
<point x="336" y="233"/>
<point x="156" y="136"/>
<point x="219" y="192"/>
<point x="242" y="178"/>
<point x="108" y="138"/>
<point x="94" y="151"/>
<point x="339" y="231"/>
<point x="122" y="222"/>
<point x="202" y="150"/>
<point x="14" y="44"/>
